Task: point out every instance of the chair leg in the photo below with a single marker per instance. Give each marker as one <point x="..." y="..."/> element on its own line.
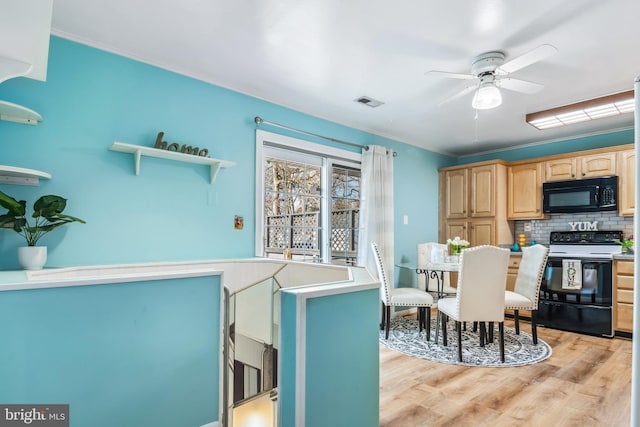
<point x="483" y="333"/>
<point x="501" y="332"/>
<point x="382" y="321"/>
<point x="388" y="324"/>
<point x="419" y="319"/>
<point x="534" y="329"/>
<point x="443" y="321"/>
<point x="516" y="318"/>
<point x="459" y="331"/>
<point x="475" y="326"/>
<point x="427" y="320"/>
<point x="491" y="332"/>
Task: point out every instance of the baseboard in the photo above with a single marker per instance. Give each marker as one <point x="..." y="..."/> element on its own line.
<point x="211" y="424"/>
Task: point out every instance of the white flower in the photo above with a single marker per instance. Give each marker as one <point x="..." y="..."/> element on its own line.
<point x="457" y="242"/>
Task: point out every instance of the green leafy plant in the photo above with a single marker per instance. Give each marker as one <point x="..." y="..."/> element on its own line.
<point x="47" y="216"/>
<point x="626" y="243"/>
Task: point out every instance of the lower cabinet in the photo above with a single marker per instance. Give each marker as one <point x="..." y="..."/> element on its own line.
<point x="623" y="296"/>
<point x="512" y="273"/>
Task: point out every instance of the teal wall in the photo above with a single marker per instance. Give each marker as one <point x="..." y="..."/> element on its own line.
<point x="560" y="147"/>
<point x="130" y="354"/>
<point x="342" y="360"/>
<point x="170" y="212"/>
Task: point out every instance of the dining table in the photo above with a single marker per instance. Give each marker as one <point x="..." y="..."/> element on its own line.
<point x="435" y="270"/>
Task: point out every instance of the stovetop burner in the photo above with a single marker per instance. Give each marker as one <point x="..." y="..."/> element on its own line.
<point x="584" y="244"/>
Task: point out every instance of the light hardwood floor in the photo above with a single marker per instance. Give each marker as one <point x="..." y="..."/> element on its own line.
<point x="586" y="382"/>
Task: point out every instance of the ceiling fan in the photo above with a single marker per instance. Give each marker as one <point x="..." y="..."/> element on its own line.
<point x="490" y="73"/>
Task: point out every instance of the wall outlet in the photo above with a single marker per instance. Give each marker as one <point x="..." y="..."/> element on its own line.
<point x="405" y="220"/>
<point x="527" y="227"/>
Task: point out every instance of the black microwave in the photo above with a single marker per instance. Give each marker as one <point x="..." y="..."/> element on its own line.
<point x="581" y="195"/>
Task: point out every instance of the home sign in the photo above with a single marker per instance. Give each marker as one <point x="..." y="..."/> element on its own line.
<point x="584" y="226"/>
<point x="174" y="146"/>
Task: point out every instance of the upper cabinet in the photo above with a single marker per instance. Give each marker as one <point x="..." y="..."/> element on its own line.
<point x="560" y="169"/>
<point x="457" y="194"/>
<point x="626" y="182"/>
<point x="589" y="166"/>
<point x="524" y="189"/>
<point x="602" y="164"/>
<point x="474" y="200"/>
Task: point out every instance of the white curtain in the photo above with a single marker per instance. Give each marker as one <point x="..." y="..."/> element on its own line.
<point x="376" y="209"/>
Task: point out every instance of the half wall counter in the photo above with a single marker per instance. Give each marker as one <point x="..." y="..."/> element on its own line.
<point x="165" y="343"/>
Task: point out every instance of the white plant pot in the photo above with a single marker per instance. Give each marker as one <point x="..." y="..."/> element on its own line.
<point x="32" y="257"/>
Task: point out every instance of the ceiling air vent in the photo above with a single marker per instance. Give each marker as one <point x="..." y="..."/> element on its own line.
<point x="369" y="101"/>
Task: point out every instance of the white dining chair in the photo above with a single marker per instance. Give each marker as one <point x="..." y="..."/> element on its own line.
<point x="426" y="254"/>
<point x="480" y="294"/>
<point x="401" y="297"/>
<point x="527" y="287"/>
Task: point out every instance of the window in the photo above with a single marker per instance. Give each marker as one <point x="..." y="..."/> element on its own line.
<point x="307" y="201"/>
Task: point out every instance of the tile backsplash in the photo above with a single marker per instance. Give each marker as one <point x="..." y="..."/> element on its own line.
<point x="542" y="228"/>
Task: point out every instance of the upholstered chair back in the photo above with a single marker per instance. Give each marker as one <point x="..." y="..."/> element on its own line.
<point x="481" y="284"/>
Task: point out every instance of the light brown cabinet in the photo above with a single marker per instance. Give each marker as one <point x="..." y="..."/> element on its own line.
<point x="626" y="182"/>
<point x="601" y="164"/>
<point x="560" y="169"/>
<point x="524" y="188"/>
<point x="474" y="197"/>
<point x="623" y="295"/>
<point x="588" y="166"/>
<point x="512" y="274"/>
<point x="457" y="193"/>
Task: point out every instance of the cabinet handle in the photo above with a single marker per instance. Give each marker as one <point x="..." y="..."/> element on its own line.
<point x="583" y="174"/>
<point x="573" y="175"/>
<point x="537" y="210"/>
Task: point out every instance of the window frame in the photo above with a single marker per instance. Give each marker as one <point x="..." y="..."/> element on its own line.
<point x="299" y="149"/>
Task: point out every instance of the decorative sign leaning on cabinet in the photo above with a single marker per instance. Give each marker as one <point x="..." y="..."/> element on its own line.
<point x="174" y="146"/>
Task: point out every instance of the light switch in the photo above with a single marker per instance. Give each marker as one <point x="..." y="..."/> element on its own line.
<point x="405" y="220"/>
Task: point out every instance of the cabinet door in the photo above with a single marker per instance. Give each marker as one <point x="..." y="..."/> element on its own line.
<point x="626" y="182"/>
<point x="456" y="193"/>
<point x="603" y="164"/>
<point x="482" y="232"/>
<point x="456" y="228"/>
<point x="483" y="194"/>
<point x="524" y="191"/>
<point x="560" y="169"/>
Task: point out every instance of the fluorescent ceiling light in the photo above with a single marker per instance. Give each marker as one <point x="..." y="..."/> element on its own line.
<point x="487" y="96"/>
<point x="598" y="108"/>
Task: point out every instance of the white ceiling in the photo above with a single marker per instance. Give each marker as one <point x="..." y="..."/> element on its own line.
<point x="317" y="56"/>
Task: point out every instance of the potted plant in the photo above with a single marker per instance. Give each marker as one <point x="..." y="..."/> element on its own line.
<point x="47" y="216"/>
<point x="626" y="244"/>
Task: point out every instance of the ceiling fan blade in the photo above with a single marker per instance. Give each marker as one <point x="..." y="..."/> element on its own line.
<point x="459" y="94"/>
<point x="518" y="85"/>
<point x="538" y="54"/>
<point x="451" y="75"/>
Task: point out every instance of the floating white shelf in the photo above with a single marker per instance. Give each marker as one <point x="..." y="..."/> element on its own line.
<point x="21" y="176"/>
<point x="139" y="151"/>
<point x="17" y="113"/>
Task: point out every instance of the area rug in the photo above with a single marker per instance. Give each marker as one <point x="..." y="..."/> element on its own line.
<point x="519" y="349"/>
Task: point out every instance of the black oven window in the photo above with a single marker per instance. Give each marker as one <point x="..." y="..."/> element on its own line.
<point x="596" y="284"/>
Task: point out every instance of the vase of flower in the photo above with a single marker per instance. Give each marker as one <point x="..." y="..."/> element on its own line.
<point x="457" y="245"/>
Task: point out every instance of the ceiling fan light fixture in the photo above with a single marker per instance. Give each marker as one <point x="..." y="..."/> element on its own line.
<point x="597" y="108"/>
<point x="486" y="97"/>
